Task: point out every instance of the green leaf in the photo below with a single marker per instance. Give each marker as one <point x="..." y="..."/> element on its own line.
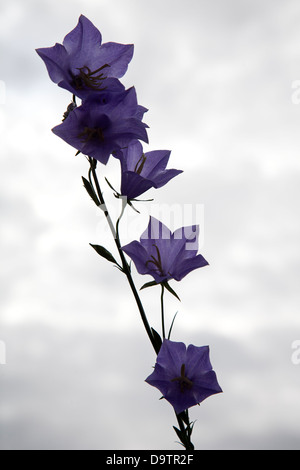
<point x="157" y="340"/>
<point x="90" y="191"/>
<point x="149" y="284"/>
<point x="190" y="429"/>
<point x="169" y="288"/>
<point x="179" y="434"/>
<point x="170" y="330"/>
<point x="104" y="253"/>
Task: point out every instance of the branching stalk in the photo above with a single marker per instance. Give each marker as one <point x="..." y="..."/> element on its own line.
<point x="125" y="266"/>
<point x="185" y="431"/>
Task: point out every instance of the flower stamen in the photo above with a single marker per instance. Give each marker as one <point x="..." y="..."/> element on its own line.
<point x="90" y="133"/>
<point x="184" y="382"/>
<point x="157" y="262"/>
<point x="140" y="164"/>
<point x="87" y="77"/>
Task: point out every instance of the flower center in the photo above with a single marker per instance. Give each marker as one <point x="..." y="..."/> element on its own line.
<point x="90" y="133"/>
<point x="91" y="79"/>
<point x="140" y="164"/>
<point x="184" y="382"/>
<point x="156" y="261"/>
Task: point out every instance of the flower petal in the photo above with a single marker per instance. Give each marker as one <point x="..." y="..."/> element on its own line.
<point x="117" y="56"/>
<point x="138" y="255"/>
<point x="82" y="40"/>
<point x="205" y="386"/>
<point x="180" y="401"/>
<point x="164" y="177"/>
<point x="156" y="161"/>
<point x="56" y="60"/>
<point x="197" y="359"/>
<point x="172" y="355"/>
<point x="155" y="231"/>
<point x="133" y="184"/>
<point x="125" y="130"/>
<point x="184" y="267"/>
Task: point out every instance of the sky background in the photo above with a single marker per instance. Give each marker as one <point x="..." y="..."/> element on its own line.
<point x="219" y="78"/>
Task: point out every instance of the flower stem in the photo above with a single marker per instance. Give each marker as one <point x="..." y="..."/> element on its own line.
<point x="125" y="266"/>
<point x="185" y="431"/>
<point x="162" y="311"/>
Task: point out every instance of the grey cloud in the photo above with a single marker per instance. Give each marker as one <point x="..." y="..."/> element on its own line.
<point x="85" y="390"/>
<point x="216" y="77"/>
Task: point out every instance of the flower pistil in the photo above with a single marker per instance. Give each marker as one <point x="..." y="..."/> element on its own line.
<point x="184" y="382"/>
<point x="156" y="261"/>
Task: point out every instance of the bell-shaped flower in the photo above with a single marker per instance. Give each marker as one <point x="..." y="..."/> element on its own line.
<point x="142" y="171"/>
<point x="184" y="375"/>
<point x="166" y="255"/>
<point x="82" y="64"/>
<point x="103" y="124"/>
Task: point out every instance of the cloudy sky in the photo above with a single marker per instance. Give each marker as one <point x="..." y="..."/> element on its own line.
<point x="220" y="79"/>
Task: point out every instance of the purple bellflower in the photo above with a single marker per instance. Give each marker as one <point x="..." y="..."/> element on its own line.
<point x="142" y="171"/>
<point x="103" y="124"/>
<point x="184" y="375"/>
<point x="83" y="65"/>
<point x="166" y="255"/>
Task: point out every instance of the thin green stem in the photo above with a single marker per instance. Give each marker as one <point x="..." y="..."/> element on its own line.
<point x="162" y="311"/>
<point x="125" y="266"/>
<point x="126" y="269"/>
<point x="101" y="199"/>
<point x="186" y="432"/>
<point x="124" y="203"/>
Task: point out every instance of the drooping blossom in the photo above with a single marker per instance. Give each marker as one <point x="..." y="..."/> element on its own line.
<point x="82" y="64"/>
<point x="166" y="255"/>
<point x="142" y="171"/>
<point x="184" y="375"/>
<point x="104" y="124"/>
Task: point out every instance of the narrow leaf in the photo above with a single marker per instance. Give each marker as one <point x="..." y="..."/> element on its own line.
<point x="179" y="434"/>
<point x="104" y="253"/>
<point x="157" y="339"/>
<point x="170" y="330"/>
<point x="90" y="191"/>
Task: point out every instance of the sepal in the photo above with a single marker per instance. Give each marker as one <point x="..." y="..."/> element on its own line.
<point x="148" y="284"/>
<point x="185" y="437"/>
<point x="169" y="288"/>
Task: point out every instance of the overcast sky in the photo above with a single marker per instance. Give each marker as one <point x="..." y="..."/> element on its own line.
<point x="219" y="78"/>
